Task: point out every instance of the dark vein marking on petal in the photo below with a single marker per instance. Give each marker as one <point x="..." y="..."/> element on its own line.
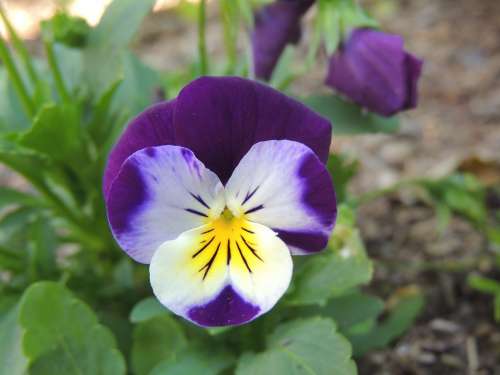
<point x="228" y="251"/>
<point x="250" y="195"/>
<point x="256" y="208"/>
<point x="248" y="230"/>
<point x="203" y="248"/>
<point x="199" y="199"/>
<point x="195" y="212"/>
<point x="210" y="262"/>
<point x="208" y="231"/>
<point x="254" y="252"/>
<point x="243" y="257"/>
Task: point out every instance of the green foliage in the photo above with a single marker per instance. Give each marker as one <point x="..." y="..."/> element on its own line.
<point x="462" y="194"/>
<point x="314" y="281"/>
<point x="65" y="29"/>
<point x="195" y="360"/>
<point x="146" y="309"/>
<point x="12" y="359"/>
<point x="488" y="286"/>
<point x="51" y="332"/>
<point x="342" y="169"/>
<point x="371" y="334"/>
<point x="304" y="346"/>
<point x="104" y="53"/>
<point x="155" y="340"/>
<point x="348" y="118"/>
<point x="60" y="125"/>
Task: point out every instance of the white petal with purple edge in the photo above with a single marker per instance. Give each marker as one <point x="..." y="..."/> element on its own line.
<point x="284" y="186"/>
<point x="224" y="273"/>
<point x="159" y="193"/>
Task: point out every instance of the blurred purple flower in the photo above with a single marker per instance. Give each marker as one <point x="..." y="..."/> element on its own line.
<point x="276" y="25"/>
<point x="373" y="69"/>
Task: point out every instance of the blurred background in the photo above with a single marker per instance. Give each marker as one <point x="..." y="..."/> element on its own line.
<point x="456" y="127"/>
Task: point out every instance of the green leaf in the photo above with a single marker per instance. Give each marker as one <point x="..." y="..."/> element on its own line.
<point x="484" y="284"/>
<point x="341" y="267"/>
<point x="12" y="359"/>
<point x="196" y="360"/>
<point x="63" y="336"/>
<point x="342" y="169"/>
<point x="10" y="197"/>
<point x="283" y="72"/>
<point x="104" y="118"/>
<point x="401" y="316"/>
<point x="139" y="83"/>
<point x="351" y="309"/>
<point x="110" y="39"/>
<point x="70" y="61"/>
<point x="26" y="162"/>
<point x="307" y="346"/>
<point x="13" y="226"/>
<point x="147" y="309"/>
<point x="348" y="118"/>
<point x="330" y="24"/>
<point x="12" y="115"/>
<point x="58" y="125"/>
<point x="155" y="340"/>
<point x="42" y="247"/>
<point x="463" y="194"/>
<point x="353" y="16"/>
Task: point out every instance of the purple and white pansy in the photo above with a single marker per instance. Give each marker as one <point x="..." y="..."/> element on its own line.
<point x="215" y="190"/>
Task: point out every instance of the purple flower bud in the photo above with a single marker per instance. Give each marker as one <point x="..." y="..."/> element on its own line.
<point x="276" y="25"/>
<point x="373" y="69"/>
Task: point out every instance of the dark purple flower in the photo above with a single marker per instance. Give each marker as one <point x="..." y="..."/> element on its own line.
<point x="373" y="69"/>
<point x="276" y="25"/>
<point x="215" y="190"/>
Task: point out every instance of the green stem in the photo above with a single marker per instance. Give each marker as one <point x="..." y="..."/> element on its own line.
<point x="19" y="46"/>
<point x="56" y="72"/>
<point x="16" y="79"/>
<point x="202" y="45"/>
<point x="230" y="23"/>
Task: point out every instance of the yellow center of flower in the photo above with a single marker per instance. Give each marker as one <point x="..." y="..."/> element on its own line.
<point x="227" y="240"/>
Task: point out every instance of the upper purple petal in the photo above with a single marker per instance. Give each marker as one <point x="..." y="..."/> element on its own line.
<point x="153" y="127"/>
<point x="373" y="70"/>
<point x="276" y="25"/>
<point x="221" y="118"/>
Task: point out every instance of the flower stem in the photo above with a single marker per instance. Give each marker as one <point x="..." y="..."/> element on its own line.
<point x="202" y="46"/>
<point x="56" y="73"/>
<point x="19" y="46"/>
<point x="16" y="79"/>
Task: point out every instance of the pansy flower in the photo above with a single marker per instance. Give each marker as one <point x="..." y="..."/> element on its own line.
<point x="373" y="69"/>
<point x="276" y="25"/>
<point x="215" y="190"/>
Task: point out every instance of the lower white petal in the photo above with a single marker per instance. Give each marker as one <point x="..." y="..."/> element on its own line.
<point x="225" y="273"/>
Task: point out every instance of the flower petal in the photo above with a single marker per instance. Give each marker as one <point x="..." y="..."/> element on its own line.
<point x="159" y="193"/>
<point x="284" y="186"/>
<point x="276" y="25"/>
<point x="220" y="118"/>
<point x="373" y="69"/>
<point x="414" y="67"/>
<point x="153" y="127"/>
<point x="216" y="275"/>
